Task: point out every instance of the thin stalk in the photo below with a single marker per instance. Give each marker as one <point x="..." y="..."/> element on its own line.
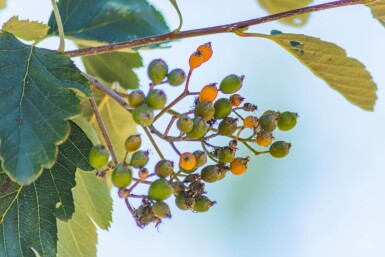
<point x="153" y="142"/>
<point x="59" y="26"/>
<point x="232" y="27"/>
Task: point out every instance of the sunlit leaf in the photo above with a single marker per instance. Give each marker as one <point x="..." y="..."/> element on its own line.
<point x="378" y="10"/>
<point x="25" y="29"/>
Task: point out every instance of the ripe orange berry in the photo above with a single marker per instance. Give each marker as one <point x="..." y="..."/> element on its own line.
<point x="239" y="165"/>
<point x="206" y="51"/>
<point x="187" y="161"/>
<point x="264" y="138"/>
<point x="196" y="60"/>
<point x="236" y="100"/>
<point x="250" y="122"/>
<point x="208" y="93"/>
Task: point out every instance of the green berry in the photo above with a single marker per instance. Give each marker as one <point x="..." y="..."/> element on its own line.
<point x="164" y="168"/>
<point x="199" y="128"/>
<point x="183" y="202"/>
<point x="287" y="121"/>
<point x="133" y="143"/>
<point x="156" y="99"/>
<point x="177" y="187"/>
<point x="185" y="124"/>
<point x="202" y="203"/>
<point x="98" y="156"/>
<point x="188" y="171"/>
<point x="269" y="121"/>
<point x="161" y="210"/>
<point x="160" y="190"/>
<point x="227" y="126"/>
<point x="222" y="108"/>
<point x="136" y="98"/>
<point x="213" y="173"/>
<point x="226" y="155"/>
<point x="200" y="157"/>
<point x="279" y="149"/>
<point x="143" y="115"/>
<point x="176" y="77"/>
<point x="157" y="70"/>
<point x="121" y="176"/>
<point x="205" y="110"/>
<point x="231" y="84"/>
<point x="139" y="159"/>
<point x="197" y="187"/>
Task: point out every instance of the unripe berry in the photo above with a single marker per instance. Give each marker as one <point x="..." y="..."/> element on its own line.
<point x="236" y="100"/>
<point x="264" y="138"/>
<point x="143" y="173"/>
<point x="157" y="70"/>
<point x="177" y="187"/>
<point x="161" y="210"/>
<point x="156" y="99"/>
<point x="136" y="98"/>
<point x="139" y="159"/>
<point x="250" y="122"/>
<point x="279" y="149"/>
<point x="200" y="157"/>
<point x="287" y="121"/>
<point x="195" y="60"/>
<point x="164" y="168"/>
<point x="143" y="115"/>
<point x="133" y="143"/>
<point x="159" y="190"/>
<point x="222" y="108"/>
<point x="231" y="84"/>
<point x="185" y="124"/>
<point x="269" y="121"/>
<point x="239" y="165"/>
<point x="199" y="128"/>
<point x="121" y="176"/>
<point x="213" y="173"/>
<point x="202" y="203"/>
<point x="184" y="202"/>
<point x="227" y="126"/>
<point x="226" y="154"/>
<point x="208" y="93"/>
<point x="205" y="110"/>
<point x="197" y="187"/>
<point x="187" y="161"/>
<point x="206" y="51"/>
<point x="98" y="156"/>
<point x="176" y="77"/>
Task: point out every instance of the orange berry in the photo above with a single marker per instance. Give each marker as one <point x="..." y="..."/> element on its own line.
<point x="196" y="60"/>
<point x="250" y="122"/>
<point x="187" y="161"/>
<point x="264" y="138"/>
<point x="236" y="100"/>
<point x="206" y="51"/>
<point x="239" y="165"/>
<point x="208" y="93"/>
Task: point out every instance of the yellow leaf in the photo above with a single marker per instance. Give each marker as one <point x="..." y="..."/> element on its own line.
<point x="329" y="62"/>
<point x="25" y="29"/>
<point x="378" y="10"/>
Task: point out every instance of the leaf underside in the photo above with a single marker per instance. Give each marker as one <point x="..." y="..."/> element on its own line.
<point x="277" y="6"/>
<point x="28" y="213"/>
<point x="25" y="29"/>
<point x="329" y="62"/>
<point x="108" y="21"/>
<point x="378" y="10"/>
<point x="36" y="98"/>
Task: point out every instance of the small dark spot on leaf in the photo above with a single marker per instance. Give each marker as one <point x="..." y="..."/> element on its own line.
<point x="275" y="32"/>
<point x="295" y="43"/>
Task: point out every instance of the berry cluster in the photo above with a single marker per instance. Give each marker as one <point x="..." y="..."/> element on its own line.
<point x="211" y="117"/>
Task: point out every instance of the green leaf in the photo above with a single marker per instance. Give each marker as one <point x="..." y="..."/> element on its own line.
<point x="25" y="29"/>
<point x="78" y="237"/>
<point x="378" y="10"/>
<point x="28" y="213"/>
<point x="114" y="67"/>
<point x="329" y="62"/>
<point x="3" y="4"/>
<point x="277" y="6"/>
<point x="108" y="21"/>
<point x="36" y="97"/>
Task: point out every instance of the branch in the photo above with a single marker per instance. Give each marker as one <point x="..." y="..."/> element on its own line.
<point x="232" y="27"/>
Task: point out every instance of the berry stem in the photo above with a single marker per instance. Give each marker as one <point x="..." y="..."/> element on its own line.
<point x="102" y="127"/>
<point x="209" y="30"/>
<point x="169" y="126"/>
<point x="59" y="25"/>
<point x="175" y="149"/>
<point x="168" y="107"/>
<point x="209" y="154"/>
<point x="153" y="142"/>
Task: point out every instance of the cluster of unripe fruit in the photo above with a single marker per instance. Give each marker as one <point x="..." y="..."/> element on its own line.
<point x="211" y="117"/>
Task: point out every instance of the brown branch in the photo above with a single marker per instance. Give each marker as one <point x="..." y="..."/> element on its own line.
<point x="232" y="27"/>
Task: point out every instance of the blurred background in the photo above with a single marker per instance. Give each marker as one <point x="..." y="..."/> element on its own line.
<point x="327" y="198"/>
